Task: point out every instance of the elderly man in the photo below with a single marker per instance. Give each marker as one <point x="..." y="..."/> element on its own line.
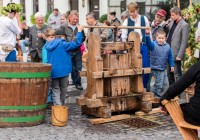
<point x="9" y="28"/>
<point x="92" y="21"/>
<point x="158" y="23"/>
<point x="37" y="38"/>
<point x="70" y="30"/>
<point x="54" y="19"/>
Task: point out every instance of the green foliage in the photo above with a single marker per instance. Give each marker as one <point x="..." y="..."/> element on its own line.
<point x="9" y="8"/>
<point x="102" y="18"/>
<point x="191" y="15"/>
<point x="32" y="19"/>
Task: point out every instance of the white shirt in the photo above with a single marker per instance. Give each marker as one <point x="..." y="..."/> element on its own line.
<point x="137" y="23"/>
<point x="8" y="30"/>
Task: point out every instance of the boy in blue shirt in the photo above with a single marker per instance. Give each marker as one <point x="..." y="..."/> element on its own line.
<point x="58" y="55"/>
<point x="160" y="55"/>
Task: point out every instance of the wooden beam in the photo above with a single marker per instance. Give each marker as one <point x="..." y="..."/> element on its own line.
<point x="115" y="46"/>
<point x="81" y="101"/>
<point x="154" y="110"/>
<point x="111" y="119"/>
<point x="119" y="73"/>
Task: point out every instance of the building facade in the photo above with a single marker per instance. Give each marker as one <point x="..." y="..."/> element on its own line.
<point x="100" y="7"/>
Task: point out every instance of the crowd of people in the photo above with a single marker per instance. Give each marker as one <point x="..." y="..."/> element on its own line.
<point x="61" y="41"/>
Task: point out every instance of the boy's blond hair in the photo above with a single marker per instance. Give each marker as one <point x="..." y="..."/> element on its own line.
<point x="132" y="6"/>
<point x="49" y="32"/>
<point x="160" y="32"/>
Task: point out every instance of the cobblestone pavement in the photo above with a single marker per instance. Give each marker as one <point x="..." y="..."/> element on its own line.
<point x="79" y="128"/>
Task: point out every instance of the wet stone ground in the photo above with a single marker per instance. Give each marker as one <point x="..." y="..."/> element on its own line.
<point x="79" y="128"/>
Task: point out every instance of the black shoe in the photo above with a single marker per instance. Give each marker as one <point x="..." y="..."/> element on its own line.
<point x="79" y="87"/>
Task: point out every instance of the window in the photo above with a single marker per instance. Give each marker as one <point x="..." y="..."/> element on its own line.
<point x="50" y="5"/>
<point x="35" y="6"/>
<point x="141" y="6"/>
<point x="74" y="4"/>
<point x="23" y="5"/>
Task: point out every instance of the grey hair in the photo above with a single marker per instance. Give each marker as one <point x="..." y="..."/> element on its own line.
<point x="176" y="10"/>
<point x="38" y="14"/>
<point x="91" y="14"/>
<point x="125" y="14"/>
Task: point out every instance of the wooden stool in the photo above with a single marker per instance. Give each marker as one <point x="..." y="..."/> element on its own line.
<point x="187" y="130"/>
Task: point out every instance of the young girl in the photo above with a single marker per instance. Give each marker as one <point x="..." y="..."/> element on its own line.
<point x="63" y="19"/>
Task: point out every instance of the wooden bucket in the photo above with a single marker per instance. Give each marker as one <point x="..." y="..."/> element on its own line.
<point x="23" y="93"/>
<point x="59" y="115"/>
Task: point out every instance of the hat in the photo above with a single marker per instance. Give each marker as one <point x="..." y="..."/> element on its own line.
<point x="60" y="32"/>
<point x="161" y="12"/>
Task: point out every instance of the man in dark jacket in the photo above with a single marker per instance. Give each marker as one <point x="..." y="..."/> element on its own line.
<point x="191" y="110"/>
<point x="70" y="29"/>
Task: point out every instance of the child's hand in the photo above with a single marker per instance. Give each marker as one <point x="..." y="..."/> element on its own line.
<point x="147" y="31"/>
<point x="80" y="28"/>
<point x="172" y="69"/>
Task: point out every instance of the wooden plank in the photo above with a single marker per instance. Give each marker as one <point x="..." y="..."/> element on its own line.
<point x="124" y="82"/>
<point x="187" y="125"/>
<point x="119" y="73"/>
<point x="116" y="46"/>
<point x="136" y="61"/>
<point x="154" y="110"/>
<point x="81" y="101"/>
<point x="94" y="64"/>
<point x="107" y="81"/>
<point x="103" y="112"/>
<point x="112" y="119"/>
<point x="114" y="64"/>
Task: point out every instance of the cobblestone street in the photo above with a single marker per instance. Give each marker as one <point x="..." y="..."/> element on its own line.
<point x="79" y="128"/>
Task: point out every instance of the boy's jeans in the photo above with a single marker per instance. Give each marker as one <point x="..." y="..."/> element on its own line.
<point x="59" y="90"/>
<point x="160" y="82"/>
<point x="23" y="44"/>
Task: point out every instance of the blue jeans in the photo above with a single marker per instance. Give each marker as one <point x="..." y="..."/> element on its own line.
<point x="76" y="58"/>
<point x="165" y="82"/>
<point x="23" y="44"/>
<point x="177" y="74"/>
<point x="160" y="82"/>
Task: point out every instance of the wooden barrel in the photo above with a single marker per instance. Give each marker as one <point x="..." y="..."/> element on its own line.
<point x="23" y="93"/>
